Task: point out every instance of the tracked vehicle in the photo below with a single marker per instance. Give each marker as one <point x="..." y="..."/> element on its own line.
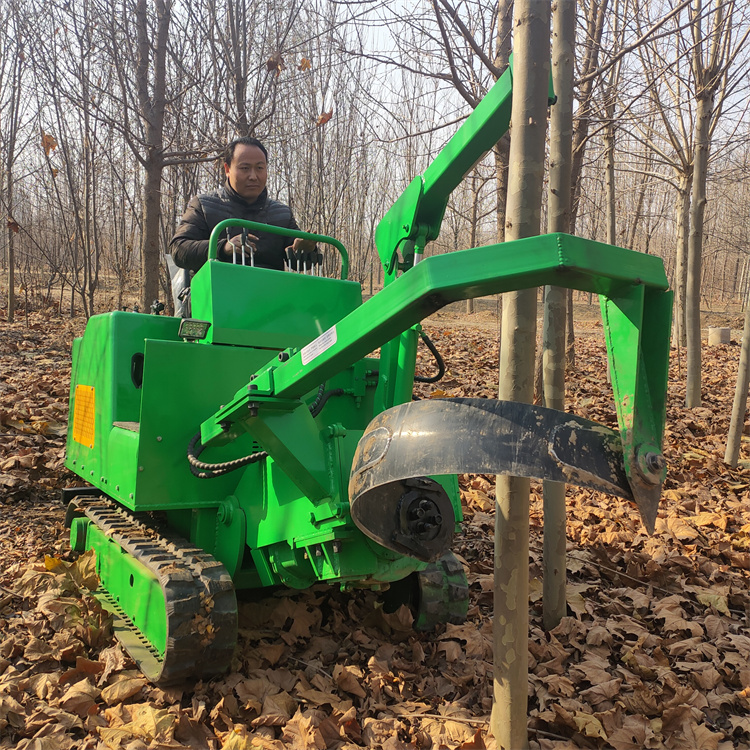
<point x="261" y="443"/>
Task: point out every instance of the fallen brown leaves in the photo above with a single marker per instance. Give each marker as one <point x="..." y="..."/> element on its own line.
<point x="655" y="651"/>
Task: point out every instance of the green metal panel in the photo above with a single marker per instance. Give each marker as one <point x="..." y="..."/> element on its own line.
<point x="103" y="359"/>
<point x="262" y="307"/>
<point x="637" y="329"/>
<point x="144" y="465"/>
<point x="182" y="382"/>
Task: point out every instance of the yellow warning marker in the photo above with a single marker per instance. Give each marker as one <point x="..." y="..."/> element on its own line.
<point x="83" y="416"/>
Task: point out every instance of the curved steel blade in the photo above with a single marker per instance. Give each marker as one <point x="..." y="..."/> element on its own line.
<point x="449" y="436"/>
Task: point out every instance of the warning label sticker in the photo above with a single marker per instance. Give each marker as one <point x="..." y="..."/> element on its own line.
<point x="315" y="348"/>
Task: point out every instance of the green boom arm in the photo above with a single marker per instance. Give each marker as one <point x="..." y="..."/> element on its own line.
<point x="416" y="216"/>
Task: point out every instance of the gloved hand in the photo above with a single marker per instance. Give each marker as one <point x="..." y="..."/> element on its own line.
<point x="233" y="246"/>
<point x="301" y="257"/>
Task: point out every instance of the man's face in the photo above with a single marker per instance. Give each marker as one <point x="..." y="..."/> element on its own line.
<point x="248" y="172"/>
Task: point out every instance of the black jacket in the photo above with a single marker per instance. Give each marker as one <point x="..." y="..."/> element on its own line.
<point x="189" y="246"/>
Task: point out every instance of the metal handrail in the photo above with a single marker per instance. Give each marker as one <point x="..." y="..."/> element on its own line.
<point x="213" y="242"/>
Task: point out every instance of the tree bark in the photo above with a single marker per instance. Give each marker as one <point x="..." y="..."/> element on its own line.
<point x="609" y="170"/>
<point x="473" y="228"/>
<point x="592" y="46"/>
<point x="152" y="107"/>
<point x="682" y="215"/>
<point x="12" y="134"/>
<point x="695" y="249"/>
<point x="739" y="407"/>
<point x="518" y="334"/>
<point x="555" y="301"/>
<point x="502" y="150"/>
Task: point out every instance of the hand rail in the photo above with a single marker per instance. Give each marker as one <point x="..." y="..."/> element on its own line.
<point x="213" y="242"/>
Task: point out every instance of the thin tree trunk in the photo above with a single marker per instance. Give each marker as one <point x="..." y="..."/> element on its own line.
<point x="682" y="212"/>
<point x="609" y="171"/>
<point x="739" y="407"/>
<point x="648" y="158"/>
<point x="502" y="149"/>
<point x="11" y="261"/>
<point x="518" y="339"/>
<point x="555" y="299"/>
<point x="695" y="250"/>
<point x="13" y="118"/>
<point x="473" y="230"/>
<point x="590" y="61"/>
<point x="152" y="108"/>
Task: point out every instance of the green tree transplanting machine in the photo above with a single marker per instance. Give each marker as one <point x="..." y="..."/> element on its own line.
<point x="260" y="443"/>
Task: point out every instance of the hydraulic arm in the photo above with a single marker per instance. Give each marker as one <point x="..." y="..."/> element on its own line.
<point x="636" y="308"/>
<point x="633" y="288"/>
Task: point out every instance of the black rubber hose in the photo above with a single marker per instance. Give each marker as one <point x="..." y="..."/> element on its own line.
<point x="322" y="398"/>
<point x="209" y="471"/>
<point x="313" y="408"/>
<point x="438" y="361"/>
<point x="204" y="470"/>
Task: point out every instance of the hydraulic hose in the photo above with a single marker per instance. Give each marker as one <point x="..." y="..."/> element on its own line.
<point x="320" y="400"/>
<point x="438" y="361"/>
<point x="205" y="470"/>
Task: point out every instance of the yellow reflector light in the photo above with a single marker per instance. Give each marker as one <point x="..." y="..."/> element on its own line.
<point x="83" y="416"/>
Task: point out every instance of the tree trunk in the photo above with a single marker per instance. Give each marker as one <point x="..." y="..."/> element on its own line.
<point x="473" y="229"/>
<point x="682" y="213"/>
<point x="555" y="299"/>
<point x="695" y="249"/>
<point x="502" y="150"/>
<point x="13" y="123"/>
<point x="11" y="264"/>
<point x="592" y="47"/>
<point x="152" y="107"/>
<point x="739" y="407"/>
<point x="590" y="61"/>
<point x="609" y="171"/>
<point x="150" y="244"/>
<point x="518" y="334"/>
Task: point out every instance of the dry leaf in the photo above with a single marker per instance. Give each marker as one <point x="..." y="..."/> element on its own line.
<point x="324" y="118"/>
<point x="49" y="143"/>
<point x="349" y="679"/>
<point x="275" y="63"/>
<point x="122" y="689"/>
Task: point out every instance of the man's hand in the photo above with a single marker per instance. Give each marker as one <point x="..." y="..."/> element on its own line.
<point x="305" y="246"/>
<point x="233" y="246"/>
<point x="303" y="255"/>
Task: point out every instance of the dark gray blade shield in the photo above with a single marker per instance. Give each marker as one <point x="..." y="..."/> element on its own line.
<point x="393" y="502"/>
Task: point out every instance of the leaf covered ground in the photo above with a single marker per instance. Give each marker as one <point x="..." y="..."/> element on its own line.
<point x="654" y="652"/>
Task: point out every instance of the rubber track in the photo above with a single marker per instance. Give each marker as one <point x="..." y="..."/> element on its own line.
<point x="443" y="593"/>
<point x="199" y="594"/>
